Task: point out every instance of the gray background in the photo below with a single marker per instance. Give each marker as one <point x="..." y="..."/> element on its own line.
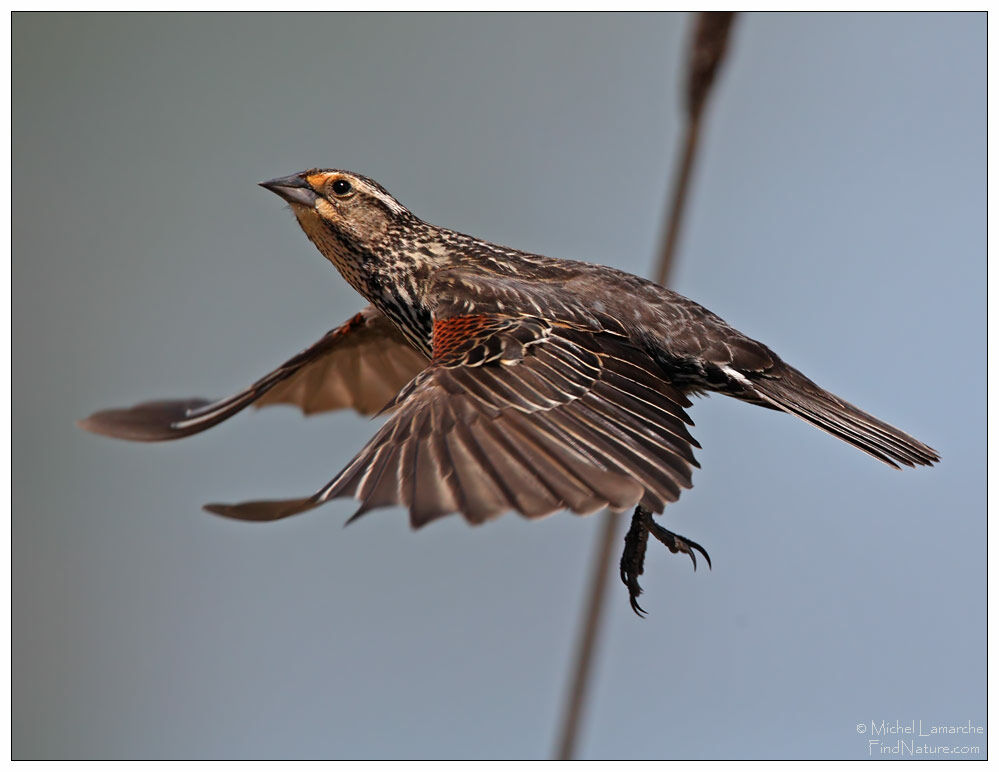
<point x="838" y="215"/>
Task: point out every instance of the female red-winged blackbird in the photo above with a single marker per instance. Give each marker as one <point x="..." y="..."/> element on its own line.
<point x="514" y="381"/>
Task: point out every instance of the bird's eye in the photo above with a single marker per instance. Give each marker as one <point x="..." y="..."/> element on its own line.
<point x="341" y="187"/>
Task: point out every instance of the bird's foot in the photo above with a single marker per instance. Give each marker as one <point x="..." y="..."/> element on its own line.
<point x="676" y="544"/>
<point x="635" y="543"/>
<point x="633" y="558"/>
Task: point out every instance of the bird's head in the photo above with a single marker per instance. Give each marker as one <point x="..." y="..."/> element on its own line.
<point x="352" y="220"/>
<point x="350" y="204"/>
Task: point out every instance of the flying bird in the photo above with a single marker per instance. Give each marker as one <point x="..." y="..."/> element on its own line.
<point x="512" y="381"/>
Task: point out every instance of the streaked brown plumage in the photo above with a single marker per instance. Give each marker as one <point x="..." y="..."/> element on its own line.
<point x="513" y="381"/>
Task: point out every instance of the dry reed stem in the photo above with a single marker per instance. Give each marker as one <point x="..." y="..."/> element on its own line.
<point x="707" y="52"/>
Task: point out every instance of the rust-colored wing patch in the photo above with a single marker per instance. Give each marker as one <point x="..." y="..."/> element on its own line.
<point x="477" y="339"/>
<point x="453" y="333"/>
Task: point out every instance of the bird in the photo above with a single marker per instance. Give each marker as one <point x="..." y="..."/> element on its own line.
<point x="511" y="381"/>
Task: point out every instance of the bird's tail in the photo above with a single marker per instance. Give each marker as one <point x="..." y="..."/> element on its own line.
<point x="794" y="393"/>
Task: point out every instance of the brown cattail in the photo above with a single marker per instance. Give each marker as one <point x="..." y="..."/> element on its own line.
<point x="707" y="51"/>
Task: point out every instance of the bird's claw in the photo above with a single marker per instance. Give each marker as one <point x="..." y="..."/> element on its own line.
<point x="635" y="543"/>
<point x="676" y="544"/>
<point x="633" y="559"/>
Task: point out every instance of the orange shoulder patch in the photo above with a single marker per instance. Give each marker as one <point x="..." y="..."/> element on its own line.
<point x="452" y="334"/>
<point x="355" y="322"/>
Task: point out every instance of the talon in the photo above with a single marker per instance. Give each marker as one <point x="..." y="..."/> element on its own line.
<point x="634" y="590"/>
<point x="703" y="551"/>
<point x="633" y="559"/>
<point x="635" y="543"/>
<point x="675" y="543"/>
<point x="693" y="545"/>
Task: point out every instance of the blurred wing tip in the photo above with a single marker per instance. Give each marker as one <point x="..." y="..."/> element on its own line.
<point x="262" y="511"/>
<point x="88" y="424"/>
<point x="230" y="512"/>
<point x="151" y="421"/>
<point x="116" y="424"/>
<point x="97" y="423"/>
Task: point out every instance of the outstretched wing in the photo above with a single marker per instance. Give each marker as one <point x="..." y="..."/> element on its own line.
<point x="361" y="364"/>
<point x="518" y="413"/>
<point x="363" y="369"/>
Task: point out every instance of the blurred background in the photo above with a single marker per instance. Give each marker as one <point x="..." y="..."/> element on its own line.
<point x="837" y="214"/>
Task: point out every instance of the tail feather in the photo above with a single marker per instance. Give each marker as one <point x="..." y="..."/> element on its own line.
<point x="796" y="394"/>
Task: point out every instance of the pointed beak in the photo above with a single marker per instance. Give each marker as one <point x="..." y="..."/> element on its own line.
<point x="293" y="189"/>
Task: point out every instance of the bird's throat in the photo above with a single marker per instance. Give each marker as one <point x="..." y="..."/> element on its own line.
<point x="390" y="290"/>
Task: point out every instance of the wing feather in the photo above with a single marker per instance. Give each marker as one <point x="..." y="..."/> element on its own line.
<point x="364" y="372"/>
<point x="523" y="415"/>
<point x="361" y="364"/>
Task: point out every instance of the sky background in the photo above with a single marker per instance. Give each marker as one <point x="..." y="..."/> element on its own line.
<point x="838" y="214"/>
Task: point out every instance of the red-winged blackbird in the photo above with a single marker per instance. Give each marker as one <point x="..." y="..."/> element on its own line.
<point x="513" y="381"/>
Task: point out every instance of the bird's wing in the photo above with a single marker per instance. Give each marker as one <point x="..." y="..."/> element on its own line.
<point x="361" y="364"/>
<point x="364" y="368"/>
<point x="518" y="413"/>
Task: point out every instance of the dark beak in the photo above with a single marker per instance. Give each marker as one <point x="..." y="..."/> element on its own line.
<point x="293" y="189"/>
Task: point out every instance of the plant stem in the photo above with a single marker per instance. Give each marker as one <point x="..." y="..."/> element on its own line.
<point x="707" y="52"/>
